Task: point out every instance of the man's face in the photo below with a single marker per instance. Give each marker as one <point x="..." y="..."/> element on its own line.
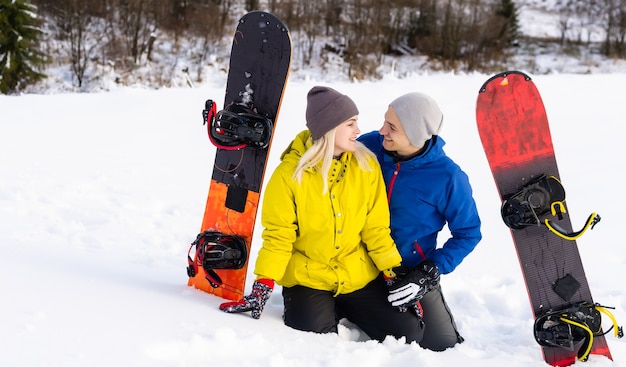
<point x="395" y="139"/>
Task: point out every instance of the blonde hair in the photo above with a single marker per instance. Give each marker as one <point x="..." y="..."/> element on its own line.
<point x="323" y="150"/>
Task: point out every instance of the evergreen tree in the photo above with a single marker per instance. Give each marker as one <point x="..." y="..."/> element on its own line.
<point x="19" y="40"/>
<point x="508" y="10"/>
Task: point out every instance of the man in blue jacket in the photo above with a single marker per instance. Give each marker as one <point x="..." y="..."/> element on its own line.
<point x="426" y="190"/>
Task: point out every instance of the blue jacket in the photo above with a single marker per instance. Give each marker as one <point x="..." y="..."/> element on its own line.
<point x="424" y="194"/>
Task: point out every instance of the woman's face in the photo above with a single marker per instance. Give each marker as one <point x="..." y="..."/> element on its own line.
<point x="345" y="136"/>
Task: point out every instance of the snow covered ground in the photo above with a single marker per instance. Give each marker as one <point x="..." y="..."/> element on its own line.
<point x="101" y="194"/>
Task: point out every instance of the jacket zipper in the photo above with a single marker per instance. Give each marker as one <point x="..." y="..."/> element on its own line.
<point x="392" y="182"/>
<point x="419" y="249"/>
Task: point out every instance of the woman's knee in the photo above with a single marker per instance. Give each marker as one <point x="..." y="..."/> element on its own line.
<point x="308" y="309"/>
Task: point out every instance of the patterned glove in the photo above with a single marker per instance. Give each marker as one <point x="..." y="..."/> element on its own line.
<point x="261" y="291"/>
<point x="432" y="271"/>
<point x="409" y="288"/>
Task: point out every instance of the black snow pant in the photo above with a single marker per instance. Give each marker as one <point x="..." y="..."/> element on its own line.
<point x="440" y="330"/>
<point x="319" y="311"/>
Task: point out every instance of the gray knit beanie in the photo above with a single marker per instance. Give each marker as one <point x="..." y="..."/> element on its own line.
<point x="326" y="109"/>
<point x="420" y="116"/>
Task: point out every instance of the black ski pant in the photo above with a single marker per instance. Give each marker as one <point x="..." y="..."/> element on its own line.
<point x="440" y="330"/>
<point x="319" y="311"/>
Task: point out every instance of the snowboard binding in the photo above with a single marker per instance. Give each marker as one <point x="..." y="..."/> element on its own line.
<point x="538" y="198"/>
<point x="237" y="126"/>
<point x="215" y="250"/>
<point x="568" y="327"/>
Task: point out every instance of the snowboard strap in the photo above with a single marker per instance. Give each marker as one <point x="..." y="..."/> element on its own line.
<point x="236" y="127"/>
<point x="577" y="323"/>
<point x="592" y="220"/>
<point x="543" y="196"/>
<point x="618" y="331"/>
<point x="215" y="250"/>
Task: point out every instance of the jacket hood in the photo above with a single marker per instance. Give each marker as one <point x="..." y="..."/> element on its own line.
<point x="300" y="144"/>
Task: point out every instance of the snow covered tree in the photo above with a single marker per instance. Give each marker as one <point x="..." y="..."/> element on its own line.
<point x="20" y="58"/>
<point x="509" y="11"/>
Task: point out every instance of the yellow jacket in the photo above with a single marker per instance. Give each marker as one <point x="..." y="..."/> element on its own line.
<point x="338" y="241"/>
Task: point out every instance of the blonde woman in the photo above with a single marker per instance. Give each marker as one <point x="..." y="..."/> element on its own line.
<point x="326" y="235"/>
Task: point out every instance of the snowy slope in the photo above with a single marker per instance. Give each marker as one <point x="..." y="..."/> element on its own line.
<point x="101" y="194"/>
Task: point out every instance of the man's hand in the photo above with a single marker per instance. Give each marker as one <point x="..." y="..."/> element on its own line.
<point x="432" y="271"/>
<point x="408" y="289"/>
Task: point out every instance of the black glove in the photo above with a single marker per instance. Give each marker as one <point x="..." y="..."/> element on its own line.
<point x="255" y="302"/>
<point x="408" y="287"/>
<point x="432" y="271"/>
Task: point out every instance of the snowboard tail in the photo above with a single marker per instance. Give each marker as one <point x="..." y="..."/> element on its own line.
<point x="259" y="68"/>
<point x="513" y="127"/>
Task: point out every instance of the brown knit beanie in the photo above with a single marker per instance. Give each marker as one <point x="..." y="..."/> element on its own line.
<point x="326" y="109"/>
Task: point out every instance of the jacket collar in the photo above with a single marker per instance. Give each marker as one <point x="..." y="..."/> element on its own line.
<point x="431" y="153"/>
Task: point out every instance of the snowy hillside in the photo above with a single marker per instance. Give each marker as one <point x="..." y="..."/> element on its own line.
<point x="101" y="194"/>
<point x="175" y="61"/>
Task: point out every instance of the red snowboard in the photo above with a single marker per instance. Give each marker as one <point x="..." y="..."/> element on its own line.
<point x="514" y="130"/>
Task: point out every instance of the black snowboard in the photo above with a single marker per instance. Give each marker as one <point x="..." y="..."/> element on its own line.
<point x="259" y="67"/>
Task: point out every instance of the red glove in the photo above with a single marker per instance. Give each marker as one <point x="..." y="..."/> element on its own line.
<point x="261" y="291"/>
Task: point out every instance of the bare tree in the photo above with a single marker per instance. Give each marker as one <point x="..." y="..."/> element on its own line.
<point x="309" y="25"/>
<point x="138" y="23"/>
<point x="205" y="23"/>
<point x="76" y="22"/>
<point x="365" y="40"/>
<point x="619" y="30"/>
<point x="252" y="5"/>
